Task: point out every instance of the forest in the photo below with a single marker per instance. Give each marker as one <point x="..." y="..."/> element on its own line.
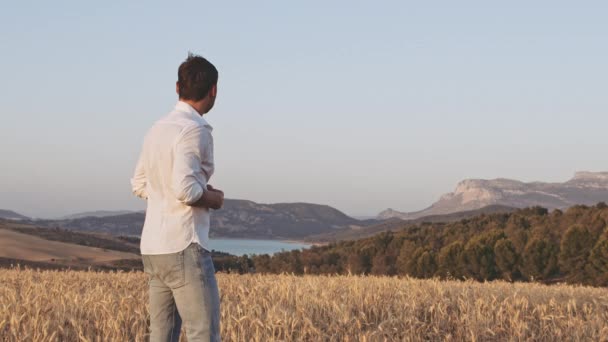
<point x="532" y="244"/>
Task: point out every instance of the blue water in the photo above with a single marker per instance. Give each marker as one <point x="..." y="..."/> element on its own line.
<point x="246" y="246"/>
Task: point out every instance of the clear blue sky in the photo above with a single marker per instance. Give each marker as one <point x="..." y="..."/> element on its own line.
<point x="359" y="105"/>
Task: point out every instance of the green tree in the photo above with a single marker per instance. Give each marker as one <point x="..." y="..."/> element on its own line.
<point x="519" y="238"/>
<point x="426" y="265"/>
<point x="382" y="240"/>
<point x="244" y="264"/>
<point x="405" y="256"/>
<point x="507" y="259"/>
<point x="478" y="256"/>
<point x="383" y="264"/>
<point x="597" y="268"/>
<point x="540" y="259"/>
<point x="574" y="252"/>
<point x="478" y="261"/>
<point x="407" y="262"/>
<point x="357" y="263"/>
<point x="261" y="263"/>
<point x="295" y="262"/>
<point x="449" y="260"/>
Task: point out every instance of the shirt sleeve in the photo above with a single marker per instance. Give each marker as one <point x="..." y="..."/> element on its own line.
<point x="190" y="155"/>
<point x="138" y="181"/>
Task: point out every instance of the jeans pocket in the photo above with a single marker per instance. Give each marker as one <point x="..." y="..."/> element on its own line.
<point x="147" y="266"/>
<point x="170" y="269"/>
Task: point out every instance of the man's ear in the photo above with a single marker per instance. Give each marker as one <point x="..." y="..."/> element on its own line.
<point x="213" y="91"/>
<point x="177" y="88"/>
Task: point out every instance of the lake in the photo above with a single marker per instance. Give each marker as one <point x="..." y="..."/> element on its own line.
<point x="248" y="246"/>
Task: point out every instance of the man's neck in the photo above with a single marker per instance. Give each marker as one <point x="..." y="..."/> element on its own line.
<point x="198" y="106"/>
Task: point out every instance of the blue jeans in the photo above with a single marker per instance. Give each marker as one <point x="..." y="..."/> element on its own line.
<point x="183" y="288"/>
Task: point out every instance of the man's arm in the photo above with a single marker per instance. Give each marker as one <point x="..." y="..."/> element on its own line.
<point x="189" y="182"/>
<point x="138" y="181"/>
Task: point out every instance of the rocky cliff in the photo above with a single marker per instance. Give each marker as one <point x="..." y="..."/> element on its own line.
<point x="585" y="188"/>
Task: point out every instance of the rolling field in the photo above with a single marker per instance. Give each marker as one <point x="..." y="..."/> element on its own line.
<point x="33" y="248"/>
<point x="98" y="306"/>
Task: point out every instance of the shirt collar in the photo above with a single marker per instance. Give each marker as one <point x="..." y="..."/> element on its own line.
<point x="185" y="108"/>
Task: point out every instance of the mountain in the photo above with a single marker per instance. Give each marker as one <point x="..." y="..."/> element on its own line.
<point x="237" y="219"/>
<point x="11" y="215"/>
<point x="586" y="188"/>
<point x="394" y="224"/>
<point x="241" y="218"/>
<point x="98" y="213"/>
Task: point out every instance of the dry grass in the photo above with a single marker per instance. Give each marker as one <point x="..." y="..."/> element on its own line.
<point x="89" y="306"/>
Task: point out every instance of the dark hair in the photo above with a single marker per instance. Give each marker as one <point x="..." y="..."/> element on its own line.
<point x="195" y="77"/>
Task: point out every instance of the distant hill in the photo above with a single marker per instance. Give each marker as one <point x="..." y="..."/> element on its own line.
<point x="11" y="215"/>
<point x="125" y="224"/>
<point x="88" y="239"/>
<point x="98" y="213"/>
<point x="47" y="248"/>
<point x="395" y="224"/>
<point x="586" y="188"/>
<point x="237" y="219"/>
<point x="240" y="218"/>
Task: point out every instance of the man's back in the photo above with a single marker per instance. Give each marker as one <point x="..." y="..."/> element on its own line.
<point x="175" y="165"/>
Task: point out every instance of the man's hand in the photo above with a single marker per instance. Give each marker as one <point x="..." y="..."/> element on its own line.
<point x="212" y="198"/>
<point x="211" y="188"/>
<point x="218" y="191"/>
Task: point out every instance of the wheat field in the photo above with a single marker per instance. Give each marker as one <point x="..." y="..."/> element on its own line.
<point x="95" y="306"/>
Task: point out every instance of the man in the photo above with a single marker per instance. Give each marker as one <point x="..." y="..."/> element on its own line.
<point x="172" y="174"/>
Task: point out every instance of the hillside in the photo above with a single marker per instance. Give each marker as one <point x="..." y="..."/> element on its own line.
<point x="585" y="188"/>
<point x="27" y="247"/>
<point x="11" y="215"/>
<point x="395" y="224"/>
<point x="89" y="239"/>
<point x="237" y="219"/>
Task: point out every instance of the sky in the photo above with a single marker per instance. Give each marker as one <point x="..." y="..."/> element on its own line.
<point x="361" y="105"/>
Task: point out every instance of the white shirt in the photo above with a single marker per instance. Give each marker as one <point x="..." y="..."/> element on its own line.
<point x="172" y="172"/>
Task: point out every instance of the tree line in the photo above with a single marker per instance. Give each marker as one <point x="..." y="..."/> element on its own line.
<point x="530" y="244"/>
